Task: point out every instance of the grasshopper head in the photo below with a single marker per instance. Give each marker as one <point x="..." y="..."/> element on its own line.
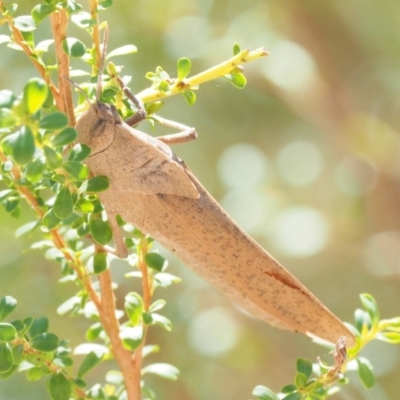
<point x="96" y="127"/>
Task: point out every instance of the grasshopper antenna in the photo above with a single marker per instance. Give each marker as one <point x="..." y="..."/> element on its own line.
<point x="71" y="82"/>
<point x="102" y="61"/>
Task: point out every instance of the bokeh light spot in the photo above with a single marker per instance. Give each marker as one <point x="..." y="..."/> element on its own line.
<point x="213" y="332"/>
<point x="243" y="165"/>
<point x="300" y="162"/>
<point x="291" y="67"/>
<point x="299" y="231"/>
<point x="249" y="208"/>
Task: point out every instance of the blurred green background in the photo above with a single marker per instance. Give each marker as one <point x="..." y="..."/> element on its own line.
<point x="306" y="159"/>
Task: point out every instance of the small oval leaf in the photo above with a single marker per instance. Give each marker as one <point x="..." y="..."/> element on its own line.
<point x="79" y="152"/>
<point x="97" y="184"/>
<point x="7" y="332"/>
<point x="23" y="146"/>
<point x="53" y="158"/>
<point x="66" y="136"/>
<point x="74" y="47"/>
<point x="41" y="11"/>
<point x="7" y="306"/>
<point x="35" y="94"/>
<point x="164" y="370"/>
<point x="53" y="121"/>
<point x="155" y="261"/>
<point x="76" y="170"/>
<point x="25" y="23"/>
<point x="100" y="231"/>
<point x="89" y="362"/>
<point x="132" y="337"/>
<point x="123" y="50"/>
<point x="59" y="387"/>
<point x="50" y="220"/>
<point x="100" y="262"/>
<point x="183" y="66"/>
<point x="46" y="342"/>
<point x="63" y="205"/>
<point x="6" y="357"/>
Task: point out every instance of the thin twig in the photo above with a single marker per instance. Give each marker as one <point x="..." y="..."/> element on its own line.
<point x="111" y="325"/>
<point x="59" y="23"/>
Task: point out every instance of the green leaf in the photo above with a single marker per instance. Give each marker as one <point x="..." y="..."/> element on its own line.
<point x="153" y="107"/>
<point x="6" y="98"/>
<point x="55" y="120"/>
<point x="85" y="206"/>
<point x="7" y="118"/>
<point x="89" y="362"/>
<point x="164" y="370"/>
<point x="97" y="184"/>
<point x="36" y="373"/>
<point x="288" y="388"/>
<point x="59" y="387"/>
<point x="121" y="51"/>
<point x="25" y="23"/>
<point x="7" y="306"/>
<point x="263" y="393"/>
<point x="50" y="220"/>
<point x="79" y="152"/>
<point x="293" y="396"/>
<point x="100" y="262"/>
<point x="300" y="380"/>
<point x="237" y="79"/>
<point x="41" y="11"/>
<point x="389" y="337"/>
<point x="76" y="170"/>
<point x="371" y="307"/>
<point x="6" y="357"/>
<point x="73" y="6"/>
<point x="162" y="321"/>
<point x="34" y="95"/>
<point x="365" y="373"/>
<point x="362" y="318"/>
<point x="304" y="366"/>
<point x="104" y="4"/>
<point x="37" y="326"/>
<point x="74" y="47"/>
<point x="236" y="49"/>
<point x="165" y="279"/>
<point x="53" y="158"/>
<point x="34" y="169"/>
<point x="7" y="332"/>
<point x="46" y="342"/>
<point x="18" y="353"/>
<point x="100" y="231"/>
<point x="24" y="146"/>
<point x="134" y="307"/>
<point x="190" y="97"/>
<point x="183" y="66"/>
<point x="66" y="136"/>
<point x="84" y="20"/>
<point x="131" y="337"/>
<point x="94" y="331"/>
<point x="63" y="205"/>
<point x="155" y="261"/>
<point x="157" y="305"/>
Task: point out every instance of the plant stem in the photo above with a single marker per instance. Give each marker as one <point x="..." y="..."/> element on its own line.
<point x="129" y="369"/>
<point x="59" y="23"/>
<point x="226" y="67"/>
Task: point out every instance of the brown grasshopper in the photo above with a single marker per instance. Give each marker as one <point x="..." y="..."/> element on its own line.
<point x="154" y="190"/>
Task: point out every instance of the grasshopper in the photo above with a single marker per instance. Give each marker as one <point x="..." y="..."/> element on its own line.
<point x="151" y="188"/>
